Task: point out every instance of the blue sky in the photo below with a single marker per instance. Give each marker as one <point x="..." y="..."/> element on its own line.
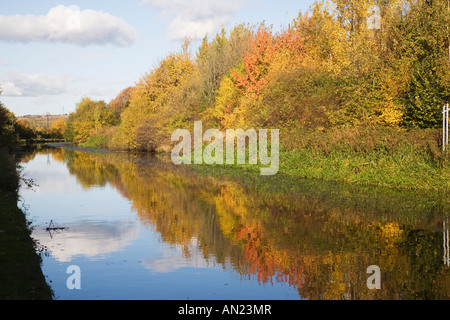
<point x="54" y="53"/>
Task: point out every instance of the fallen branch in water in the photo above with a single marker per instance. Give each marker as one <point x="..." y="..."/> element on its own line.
<point x="51" y="227"/>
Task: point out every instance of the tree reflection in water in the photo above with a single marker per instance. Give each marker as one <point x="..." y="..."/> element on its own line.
<point x="317" y="236"/>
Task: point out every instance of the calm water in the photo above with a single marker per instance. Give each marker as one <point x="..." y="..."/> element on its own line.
<point x="140" y="228"/>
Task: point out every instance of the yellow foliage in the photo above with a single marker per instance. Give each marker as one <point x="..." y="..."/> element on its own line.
<point x="227" y="100"/>
<point x="58" y="127"/>
<point x="150" y="97"/>
<point x="390" y="116"/>
<point x="391" y="232"/>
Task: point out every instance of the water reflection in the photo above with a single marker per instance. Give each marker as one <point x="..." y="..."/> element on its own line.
<point x="171" y="260"/>
<point x="317" y="237"/>
<point x="92" y="239"/>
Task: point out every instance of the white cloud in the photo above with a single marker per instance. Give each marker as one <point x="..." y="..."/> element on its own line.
<point x="173" y="259"/>
<point x="32" y="85"/>
<point x="10" y="89"/>
<point x="89" y="239"/>
<point x="195" y="18"/>
<point x="68" y="25"/>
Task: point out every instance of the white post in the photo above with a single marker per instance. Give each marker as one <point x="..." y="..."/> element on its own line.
<point x="448" y="245"/>
<point x="444" y="244"/>
<point x="445" y="233"/>
<point x="445" y="110"/>
<point x="443" y="128"/>
<point x="446" y="126"/>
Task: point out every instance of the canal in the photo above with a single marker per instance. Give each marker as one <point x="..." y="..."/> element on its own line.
<point x="128" y="226"/>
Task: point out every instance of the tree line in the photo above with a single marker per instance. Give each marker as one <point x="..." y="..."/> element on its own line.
<point x="14" y="130"/>
<point x="327" y="69"/>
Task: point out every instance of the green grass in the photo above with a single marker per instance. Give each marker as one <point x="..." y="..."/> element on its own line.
<point x="21" y="277"/>
<point x="96" y="141"/>
<point x="405" y="166"/>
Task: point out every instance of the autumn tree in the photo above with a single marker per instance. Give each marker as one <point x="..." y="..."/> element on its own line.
<point x="8" y="134"/>
<point x="257" y="61"/>
<point x="214" y="61"/>
<point x="268" y="55"/>
<point x="89" y="116"/>
<point x="121" y="102"/>
<point x="216" y="58"/>
<point x="352" y="15"/>
<point x="426" y="44"/>
<point x="149" y="100"/>
<point x="57" y="128"/>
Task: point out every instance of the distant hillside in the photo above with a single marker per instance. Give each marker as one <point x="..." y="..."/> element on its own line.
<point x="42" y="121"/>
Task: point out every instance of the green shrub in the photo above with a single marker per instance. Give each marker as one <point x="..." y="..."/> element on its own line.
<point x="94" y="142"/>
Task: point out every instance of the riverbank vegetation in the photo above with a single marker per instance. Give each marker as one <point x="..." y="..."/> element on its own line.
<point x="29" y="129"/>
<point x="42" y="128"/>
<point x="20" y="276"/>
<point x="356" y="92"/>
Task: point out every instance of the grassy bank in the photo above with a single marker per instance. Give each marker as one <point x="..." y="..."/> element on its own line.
<point x="385" y="157"/>
<point x="380" y="156"/>
<point x="21" y="276"/>
<point x="96" y="141"/>
<point x="404" y="168"/>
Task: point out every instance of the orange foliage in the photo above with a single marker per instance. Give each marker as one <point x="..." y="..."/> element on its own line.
<point x="268" y="53"/>
<point x="119" y="103"/>
<point x="257" y="61"/>
<point x="291" y="43"/>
